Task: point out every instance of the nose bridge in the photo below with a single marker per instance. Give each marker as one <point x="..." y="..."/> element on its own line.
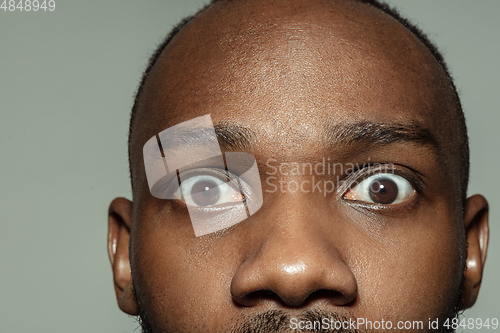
<point x="294" y="257"/>
<point x="296" y="233"/>
<point x="298" y="221"/>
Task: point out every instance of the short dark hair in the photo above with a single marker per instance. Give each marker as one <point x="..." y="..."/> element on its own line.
<point x="463" y="143"/>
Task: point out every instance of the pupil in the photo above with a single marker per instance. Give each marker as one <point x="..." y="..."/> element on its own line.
<point x="383" y="191"/>
<point x="205" y="193"/>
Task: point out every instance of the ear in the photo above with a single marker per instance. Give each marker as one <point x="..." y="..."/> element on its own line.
<point x="477" y="229"/>
<point x="119" y="223"/>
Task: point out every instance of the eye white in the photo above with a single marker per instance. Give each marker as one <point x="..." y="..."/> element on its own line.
<point x="361" y="192"/>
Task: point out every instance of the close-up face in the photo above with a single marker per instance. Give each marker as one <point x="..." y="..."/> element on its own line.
<point x="382" y="237"/>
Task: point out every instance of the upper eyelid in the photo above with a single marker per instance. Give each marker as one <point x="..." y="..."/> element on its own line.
<point x="221" y="174"/>
<point x="203" y="172"/>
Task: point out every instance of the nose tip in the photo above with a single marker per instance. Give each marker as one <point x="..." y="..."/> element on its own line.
<point x="293" y="279"/>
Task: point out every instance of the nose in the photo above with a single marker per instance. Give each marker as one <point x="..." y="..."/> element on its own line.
<point x="294" y="261"/>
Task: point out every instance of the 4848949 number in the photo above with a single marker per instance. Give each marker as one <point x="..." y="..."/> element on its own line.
<point x="471" y="323"/>
<point x="28" y="5"/>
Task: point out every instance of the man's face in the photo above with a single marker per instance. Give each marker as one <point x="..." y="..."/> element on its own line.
<point x="307" y="83"/>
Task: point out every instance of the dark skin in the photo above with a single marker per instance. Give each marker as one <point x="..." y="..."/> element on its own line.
<point x="288" y="72"/>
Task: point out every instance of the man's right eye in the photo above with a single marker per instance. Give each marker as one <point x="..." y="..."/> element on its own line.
<point x="207" y="191"/>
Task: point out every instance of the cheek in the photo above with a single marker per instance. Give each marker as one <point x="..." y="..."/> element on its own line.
<point x="179" y="279"/>
<point x="415" y="275"/>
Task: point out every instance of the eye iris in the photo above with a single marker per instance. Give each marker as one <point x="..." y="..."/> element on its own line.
<point x="205" y="193"/>
<point x="383" y="191"/>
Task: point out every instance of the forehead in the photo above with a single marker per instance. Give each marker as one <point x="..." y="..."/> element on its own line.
<point x="287" y="68"/>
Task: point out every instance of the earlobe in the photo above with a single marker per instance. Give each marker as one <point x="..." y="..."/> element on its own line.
<point x="477" y="229"/>
<point x="119" y="224"/>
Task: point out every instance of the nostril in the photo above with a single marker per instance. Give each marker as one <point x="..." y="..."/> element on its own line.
<point x="262" y="296"/>
<point x="317" y="296"/>
<point x="333" y="296"/>
<point x="259" y="296"/>
<point x="256" y="297"/>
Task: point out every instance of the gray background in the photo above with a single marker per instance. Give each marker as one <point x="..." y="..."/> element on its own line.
<point x="67" y="80"/>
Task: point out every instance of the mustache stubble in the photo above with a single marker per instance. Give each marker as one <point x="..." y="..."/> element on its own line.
<point x="280" y="321"/>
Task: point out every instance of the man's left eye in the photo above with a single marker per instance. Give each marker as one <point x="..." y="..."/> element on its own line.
<point x="206" y="190"/>
<point x="382" y="189"/>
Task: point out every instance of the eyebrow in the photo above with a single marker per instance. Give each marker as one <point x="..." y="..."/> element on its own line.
<point x="365" y="133"/>
<point x="230" y="136"/>
<point x="234" y="137"/>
